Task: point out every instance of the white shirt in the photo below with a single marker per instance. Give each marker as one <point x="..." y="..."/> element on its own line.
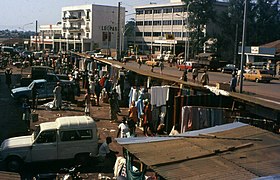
<point x="124" y="129"/>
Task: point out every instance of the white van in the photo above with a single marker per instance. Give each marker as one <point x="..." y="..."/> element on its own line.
<point x="74" y="137"/>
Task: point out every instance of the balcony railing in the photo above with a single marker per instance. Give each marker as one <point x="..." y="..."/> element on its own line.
<point x="75" y="29"/>
<point x="72" y="18"/>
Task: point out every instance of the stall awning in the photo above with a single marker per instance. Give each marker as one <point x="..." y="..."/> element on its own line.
<point x="229" y="152"/>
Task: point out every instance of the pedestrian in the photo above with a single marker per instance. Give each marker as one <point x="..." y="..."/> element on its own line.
<point x="185" y="75"/>
<point x="34" y="94"/>
<point x="161" y="65"/>
<point x="204" y="79"/>
<point x="57" y="96"/>
<point x="133" y="113"/>
<point x="87" y="104"/>
<point x="152" y="67"/>
<point x="194" y="74"/>
<point x="147" y="116"/>
<point x="97" y="90"/>
<point x="26" y="114"/>
<point x="233" y="83"/>
<point x="114" y="107"/>
<point x="123" y="129"/>
<point x="139" y="61"/>
<point x="8" y="75"/>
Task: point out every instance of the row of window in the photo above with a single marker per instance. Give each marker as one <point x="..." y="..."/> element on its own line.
<point x="159" y="23"/>
<point x="159" y="10"/>
<point x="71" y="135"/>
<point x="157" y="34"/>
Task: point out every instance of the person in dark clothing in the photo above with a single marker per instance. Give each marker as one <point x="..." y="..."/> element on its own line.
<point x="233" y="83"/>
<point x="34" y="97"/>
<point x="8" y="74"/>
<point x="26" y="115"/>
<point x="185" y="76"/>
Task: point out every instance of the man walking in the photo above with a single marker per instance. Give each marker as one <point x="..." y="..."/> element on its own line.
<point x="204" y="78"/>
<point x="57" y="97"/>
<point x="194" y="74"/>
<point x="233" y="83"/>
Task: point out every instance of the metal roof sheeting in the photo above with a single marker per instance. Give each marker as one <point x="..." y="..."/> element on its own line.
<point x="243" y="152"/>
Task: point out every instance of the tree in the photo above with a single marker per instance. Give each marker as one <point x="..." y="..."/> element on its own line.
<point x="230" y="23"/>
<point x="200" y="13"/>
<point x="264" y="26"/>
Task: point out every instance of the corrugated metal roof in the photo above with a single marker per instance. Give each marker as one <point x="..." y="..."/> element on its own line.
<point x="244" y="152"/>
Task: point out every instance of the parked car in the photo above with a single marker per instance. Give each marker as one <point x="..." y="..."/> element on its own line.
<point x="258" y="75"/>
<point x="129" y="58"/>
<point x="188" y="66"/>
<point x="229" y="68"/>
<point x="73" y="137"/>
<point x="44" y="89"/>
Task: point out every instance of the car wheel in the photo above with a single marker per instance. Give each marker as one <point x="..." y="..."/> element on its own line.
<point x="13" y="164"/>
<point x="257" y="80"/>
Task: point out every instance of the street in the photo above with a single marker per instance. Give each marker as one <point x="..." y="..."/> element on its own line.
<point x="268" y="91"/>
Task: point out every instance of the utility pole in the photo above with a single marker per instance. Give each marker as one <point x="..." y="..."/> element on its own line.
<point x="118" y="31"/>
<point x="36" y="36"/>
<point x="243" y="46"/>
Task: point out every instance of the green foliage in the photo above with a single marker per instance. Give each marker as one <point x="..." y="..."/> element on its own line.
<point x="263" y="24"/>
<point x="200" y="13"/>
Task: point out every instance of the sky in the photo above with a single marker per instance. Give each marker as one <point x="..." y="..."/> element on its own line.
<point x="22" y="14"/>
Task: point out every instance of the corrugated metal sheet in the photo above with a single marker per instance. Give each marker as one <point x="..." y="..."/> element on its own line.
<point x="199" y="158"/>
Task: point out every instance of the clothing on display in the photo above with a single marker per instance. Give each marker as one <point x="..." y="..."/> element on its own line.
<point x="159" y="95"/>
<point x="194" y="118"/>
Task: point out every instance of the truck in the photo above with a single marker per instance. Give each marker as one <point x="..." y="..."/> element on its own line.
<point x="209" y="61"/>
<point x="66" y="138"/>
<point x="44" y="89"/>
<point x="41" y="72"/>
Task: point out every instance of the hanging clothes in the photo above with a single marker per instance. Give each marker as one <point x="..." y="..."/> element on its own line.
<point x="130" y="174"/>
<point x="159" y="95"/>
<point x="118" y="90"/>
<point x="133" y="95"/>
<point x="119" y="165"/>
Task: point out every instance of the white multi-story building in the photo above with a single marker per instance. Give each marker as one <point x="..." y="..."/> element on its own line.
<point x="83" y="28"/>
<point x="156" y="23"/>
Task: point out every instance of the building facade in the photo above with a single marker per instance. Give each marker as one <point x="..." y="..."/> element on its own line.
<point x="82" y="28"/>
<point x="162" y="27"/>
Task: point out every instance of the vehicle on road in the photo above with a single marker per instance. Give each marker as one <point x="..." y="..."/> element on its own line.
<point x="44" y="89"/>
<point x="70" y="137"/>
<point x="152" y="63"/>
<point x="229" y="68"/>
<point x="188" y="65"/>
<point x="258" y="75"/>
<point x="129" y="58"/>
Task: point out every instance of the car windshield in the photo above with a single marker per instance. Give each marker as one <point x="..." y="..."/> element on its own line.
<point x="230" y="65"/>
<point x="31" y="85"/>
<point x="264" y="72"/>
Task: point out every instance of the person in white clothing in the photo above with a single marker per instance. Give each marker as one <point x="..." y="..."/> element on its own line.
<point x="123" y="129"/>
